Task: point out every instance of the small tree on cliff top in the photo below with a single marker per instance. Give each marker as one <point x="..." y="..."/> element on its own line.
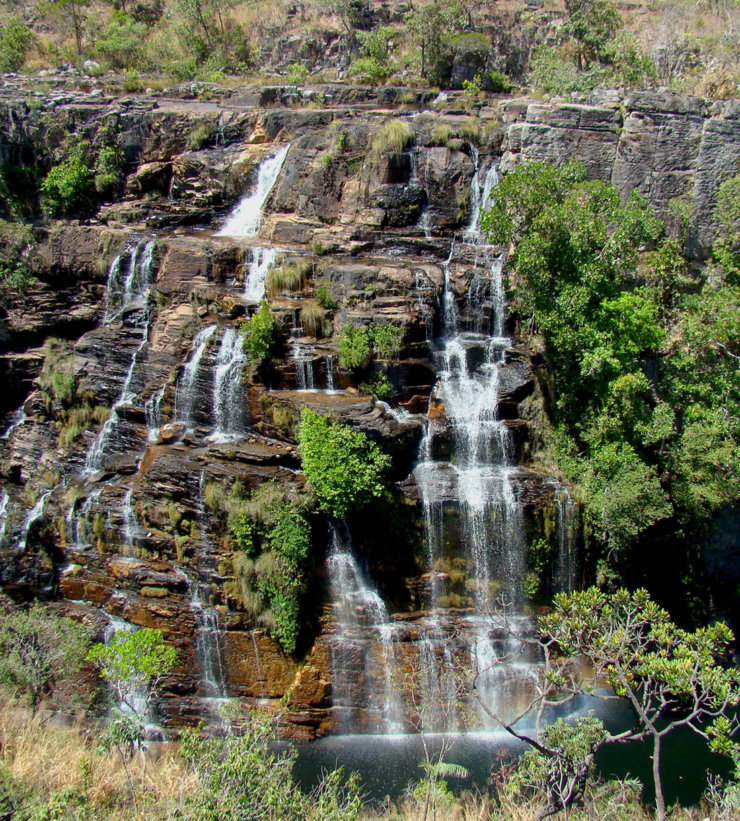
<point x="670" y="677"/>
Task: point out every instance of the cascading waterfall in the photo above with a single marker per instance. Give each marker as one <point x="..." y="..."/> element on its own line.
<point x="331" y="374"/>
<point x="362" y="624"/>
<point x="153" y="412"/>
<point x="228" y="402"/>
<point x="303" y="359"/>
<point x="262" y="259"/>
<point x="245" y="220"/>
<point x="566" y="570"/>
<point x="120" y="295"/>
<point x="186" y="393"/>
<point x="17" y="419"/>
<point x="132" y="532"/>
<point x="79" y="528"/>
<point x="208" y="643"/>
<point x="3" y="514"/>
<point x="33" y="515"/>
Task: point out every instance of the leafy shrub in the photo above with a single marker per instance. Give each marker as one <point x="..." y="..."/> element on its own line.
<point x="392" y="138"/>
<point x="551" y="71"/>
<point x="344" y="467"/>
<point x="499" y="83"/>
<point x="386" y="340"/>
<point x="355" y="347"/>
<point x="37" y="649"/>
<point x="15" y="41"/>
<point x="120" y="44"/>
<point x="325" y="299"/>
<point x="378" y="384"/>
<point x="297" y="73"/>
<point x="260" y="333"/>
<point x="108" y="171"/>
<point x="68" y="185"/>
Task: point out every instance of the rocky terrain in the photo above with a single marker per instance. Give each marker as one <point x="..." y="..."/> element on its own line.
<point x="113" y="519"/>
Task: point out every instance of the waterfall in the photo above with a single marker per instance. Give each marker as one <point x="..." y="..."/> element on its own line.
<point x="3" y="514"/>
<point x="566" y="570"/>
<point x="135" y="288"/>
<point x="18" y="418"/>
<point x="303" y="358"/>
<point x="208" y="643"/>
<point x="131" y="530"/>
<point x="79" y="528"/>
<point x="33" y="515"/>
<point x="262" y="259"/>
<point x="362" y="621"/>
<point x="153" y="412"/>
<point x="186" y="392"/>
<point x="480" y="195"/>
<point x="245" y="219"/>
<point x="129" y="278"/>
<point x="331" y="374"/>
<point x="228" y="400"/>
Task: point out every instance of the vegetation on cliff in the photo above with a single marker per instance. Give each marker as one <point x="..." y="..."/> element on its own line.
<point x="568" y="46"/>
<point x="641" y="359"/>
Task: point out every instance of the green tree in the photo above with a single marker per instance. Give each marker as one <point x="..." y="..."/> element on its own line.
<point x="344" y="467"/>
<point x="432" y="27"/>
<point x="15" y="41"/>
<point x="73" y="14"/>
<point x="592" y="24"/>
<point x="670" y="678"/>
<point x="39" y="649"/>
<point x="134" y="663"/>
<point x="244" y="776"/>
<point x="68" y="185"/>
<point x="260" y="333"/>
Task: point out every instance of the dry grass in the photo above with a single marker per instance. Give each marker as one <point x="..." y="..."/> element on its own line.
<point x="45" y="761"/>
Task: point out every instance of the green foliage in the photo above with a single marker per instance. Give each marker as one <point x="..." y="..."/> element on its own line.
<point x="378" y="384"/>
<point x="68" y="185"/>
<point x="133" y="662"/>
<point x="260" y="333"/>
<point x="275" y="535"/>
<point x="727" y="245"/>
<point x="297" y="73"/>
<point x="16" y="243"/>
<point x="355" y="347"/>
<point x="121" y="43"/>
<point x="373" y="66"/>
<point x="108" y="170"/>
<point x="358" y="345"/>
<point x="432" y="27"/>
<point x="15" y="40"/>
<point x="325" y="299"/>
<point x="39" y="649"/>
<point x="288" y="277"/>
<point x="246" y="776"/>
<point x="344" y="467"/>
<point x="386" y="340"/>
<point x="499" y="83"/>
<point x="592" y="24"/>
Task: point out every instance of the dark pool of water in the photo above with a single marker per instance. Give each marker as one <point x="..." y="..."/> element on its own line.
<point x="388" y="764"/>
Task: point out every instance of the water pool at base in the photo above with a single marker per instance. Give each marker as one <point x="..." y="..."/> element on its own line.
<point x="388" y="764"/>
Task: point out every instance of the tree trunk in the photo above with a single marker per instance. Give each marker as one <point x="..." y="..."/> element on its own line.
<point x="659" y="799"/>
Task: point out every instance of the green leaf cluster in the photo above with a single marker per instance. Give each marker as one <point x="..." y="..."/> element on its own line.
<point x="344" y="467"/>
<point x="260" y="333"/>
<point x="643" y="383"/>
<point x="15" y="40"/>
<point x="274" y="534"/>
<point x="39" y="649"/>
<point x="247" y="776"/>
<point x="68" y="185"/>
<point x="358" y="345"/>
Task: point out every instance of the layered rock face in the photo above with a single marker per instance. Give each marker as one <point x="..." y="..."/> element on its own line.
<point x="108" y="509"/>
